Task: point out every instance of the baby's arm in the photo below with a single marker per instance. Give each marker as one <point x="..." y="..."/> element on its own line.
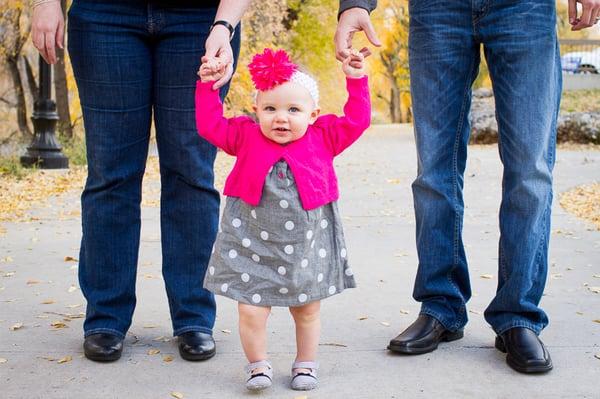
<point x="354" y="65"/>
<point x="224" y="133"/>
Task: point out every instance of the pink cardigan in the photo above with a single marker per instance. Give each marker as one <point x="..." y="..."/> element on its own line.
<point x="310" y="158"/>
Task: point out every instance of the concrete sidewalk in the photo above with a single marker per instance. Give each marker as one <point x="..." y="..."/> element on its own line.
<point x="376" y="203"/>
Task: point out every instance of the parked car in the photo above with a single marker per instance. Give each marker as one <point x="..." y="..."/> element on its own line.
<point x="581" y="62"/>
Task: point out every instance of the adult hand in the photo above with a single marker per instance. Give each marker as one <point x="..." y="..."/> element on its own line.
<point x="218" y="47"/>
<point x="590" y="14"/>
<point x="48" y="30"/>
<point x="351" y="21"/>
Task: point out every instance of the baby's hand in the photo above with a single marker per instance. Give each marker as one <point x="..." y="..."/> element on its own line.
<point x="354" y="65"/>
<point x="211" y="70"/>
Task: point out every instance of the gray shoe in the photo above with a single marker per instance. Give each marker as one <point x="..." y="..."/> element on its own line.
<point x="303" y="381"/>
<point x="259" y="381"/>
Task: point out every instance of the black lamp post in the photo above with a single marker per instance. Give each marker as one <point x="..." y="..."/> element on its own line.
<point x="44" y="151"/>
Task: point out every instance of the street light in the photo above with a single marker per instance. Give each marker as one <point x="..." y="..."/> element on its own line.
<point x="44" y="151"/>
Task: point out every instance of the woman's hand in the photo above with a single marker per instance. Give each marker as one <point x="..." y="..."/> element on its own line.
<point x="218" y="49"/>
<point x="48" y="29"/>
<point x="211" y="70"/>
<point x="354" y="64"/>
<point x="351" y="21"/>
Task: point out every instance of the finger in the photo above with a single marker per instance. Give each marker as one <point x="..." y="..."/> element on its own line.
<point x="50" y="47"/>
<point x="221" y="82"/>
<point x="371" y="34"/>
<point x="340" y="44"/>
<point x="586" y="16"/>
<point x="595" y="15"/>
<point x="60" y="35"/>
<point x="37" y="38"/>
<point x="365" y="52"/>
<point x="572" y="11"/>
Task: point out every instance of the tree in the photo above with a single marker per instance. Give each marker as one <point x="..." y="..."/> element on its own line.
<point x="61" y="90"/>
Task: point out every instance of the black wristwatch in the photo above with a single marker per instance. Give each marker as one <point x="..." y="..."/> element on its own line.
<point x="225" y="24"/>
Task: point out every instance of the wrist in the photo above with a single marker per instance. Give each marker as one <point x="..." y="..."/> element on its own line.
<point x="36" y="3"/>
<point x="223" y="25"/>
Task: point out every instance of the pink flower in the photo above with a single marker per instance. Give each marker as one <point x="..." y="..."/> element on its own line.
<point x="271" y="68"/>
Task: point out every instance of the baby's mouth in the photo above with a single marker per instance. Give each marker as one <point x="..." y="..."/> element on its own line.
<point x="281" y="129"/>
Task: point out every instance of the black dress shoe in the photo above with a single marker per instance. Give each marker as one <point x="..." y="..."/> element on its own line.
<point x="423" y="336"/>
<point x="195" y="345"/>
<point x="525" y="352"/>
<point x="103" y="347"/>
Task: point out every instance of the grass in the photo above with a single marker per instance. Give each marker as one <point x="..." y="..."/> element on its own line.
<point x="75" y="150"/>
<point x="11" y="166"/>
<point x="580" y="101"/>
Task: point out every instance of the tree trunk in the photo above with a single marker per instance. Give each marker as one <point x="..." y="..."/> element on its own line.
<point x="20" y="97"/>
<point x="395" y="104"/>
<point x="33" y="87"/>
<point x="61" y="91"/>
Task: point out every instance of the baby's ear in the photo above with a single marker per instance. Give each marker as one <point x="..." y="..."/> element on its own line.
<point x="254" y="108"/>
<point x="314" y="114"/>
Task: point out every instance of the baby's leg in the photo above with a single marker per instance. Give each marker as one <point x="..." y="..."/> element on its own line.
<point x="253" y="331"/>
<point x="308" y="330"/>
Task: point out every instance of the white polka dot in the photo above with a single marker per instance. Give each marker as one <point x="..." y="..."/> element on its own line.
<point x="320" y="277"/>
<point x="283" y="290"/>
<point x="289" y="249"/>
<point x="348" y="272"/>
<point x="312" y="244"/>
<point x="289" y="182"/>
<point x="256" y="298"/>
<point x="224" y="287"/>
<point x="343" y="252"/>
<point x="245" y="277"/>
<point x="302" y="298"/>
<point x="233" y="254"/>
<point x="211" y="271"/>
<point x="284" y="204"/>
<point x="324" y="223"/>
<point x="322" y="253"/>
<point x="332" y="290"/>
<point x="289" y="225"/>
<point x="255" y="258"/>
<point x="264" y="235"/>
<point x="236" y="222"/>
<point x="246" y="242"/>
<point x="253" y="213"/>
<point x="304" y="263"/>
<point x="309" y="234"/>
<point x="281" y="270"/>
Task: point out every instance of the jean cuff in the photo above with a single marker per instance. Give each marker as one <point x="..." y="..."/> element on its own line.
<point x="104" y="331"/>
<point x="517" y="323"/>
<point x="438" y="317"/>
<point x="201" y="329"/>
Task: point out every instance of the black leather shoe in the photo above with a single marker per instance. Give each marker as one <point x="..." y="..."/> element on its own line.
<point x="195" y="345"/>
<point x="525" y="352"/>
<point x="423" y="336"/>
<point x="103" y="347"/>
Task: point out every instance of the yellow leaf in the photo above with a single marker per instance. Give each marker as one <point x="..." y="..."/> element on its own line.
<point x="226" y="331"/>
<point x="17" y="326"/>
<point x="31" y="282"/>
<point x="150" y="326"/>
<point x="72" y="289"/>
<point x="363" y="317"/>
<point x="74" y="306"/>
<point x="154" y="351"/>
<point x="487" y="276"/>
<point x="177" y="395"/>
<point x="597" y="355"/>
<point x="58" y="324"/>
<point x="404" y="311"/>
<point x="7" y="259"/>
<point x="596" y="321"/>
<point x="595" y="290"/>
<point x="393" y="181"/>
<point x="70" y="259"/>
<point x="475" y="311"/>
<point x="385" y="323"/>
<point x="168" y="358"/>
<point x="48" y="302"/>
<point x="3" y="360"/>
<point x="65" y="359"/>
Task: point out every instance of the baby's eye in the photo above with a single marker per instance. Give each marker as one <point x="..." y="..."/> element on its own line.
<point x="269" y="108"/>
<point x="294" y="109"/>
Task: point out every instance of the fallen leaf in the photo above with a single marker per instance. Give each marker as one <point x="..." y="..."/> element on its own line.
<point x="9" y="274"/>
<point x="77" y="305"/>
<point x="72" y="289"/>
<point x="333" y="344"/>
<point x="177" y="395"/>
<point x="579" y="313"/>
<point x="58" y="324"/>
<point x="556" y="276"/>
<point x="595" y="290"/>
<point x="597" y="355"/>
<point x="487" y="276"/>
<point x="150" y="326"/>
<point x="17" y="326"/>
<point x="475" y="311"/>
<point x="154" y="351"/>
<point x="385" y="323"/>
<point x="226" y="331"/>
<point x="393" y="181"/>
<point x="3" y="360"/>
<point x="404" y="311"/>
<point x="301" y="397"/>
<point x="65" y="359"/>
<point x="48" y="302"/>
<point x="596" y="276"/>
<point x="70" y="259"/>
<point x="363" y="317"/>
<point x="168" y="358"/>
<point x="596" y="321"/>
<point x="6" y="259"/>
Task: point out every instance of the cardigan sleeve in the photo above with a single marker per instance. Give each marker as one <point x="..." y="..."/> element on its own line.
<point x="224" y="133"/>
<point x="339" y="132"/>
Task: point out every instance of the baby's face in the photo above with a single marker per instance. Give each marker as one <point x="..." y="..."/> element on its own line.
<point x="285" y="112"/>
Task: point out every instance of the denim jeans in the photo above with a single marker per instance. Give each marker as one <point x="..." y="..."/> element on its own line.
<point x="520" y="45"/>
<point x="133" y="61"/>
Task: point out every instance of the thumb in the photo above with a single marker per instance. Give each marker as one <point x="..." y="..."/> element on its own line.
<point x="572" y="11"/>
<point x="371" y="34"/>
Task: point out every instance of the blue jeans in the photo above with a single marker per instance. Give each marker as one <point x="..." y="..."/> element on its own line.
<point x="520" y="45"/>
<point x="134" y="61"/>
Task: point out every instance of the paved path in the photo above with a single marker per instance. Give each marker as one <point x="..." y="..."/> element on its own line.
<point x="375" y="177"/>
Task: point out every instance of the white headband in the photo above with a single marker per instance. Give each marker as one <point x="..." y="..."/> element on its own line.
<point x="308" y="83"/>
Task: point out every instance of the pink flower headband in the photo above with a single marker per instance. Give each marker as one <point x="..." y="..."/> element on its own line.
<point x="273" y="67"/>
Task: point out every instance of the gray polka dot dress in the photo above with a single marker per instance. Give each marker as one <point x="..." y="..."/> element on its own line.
<point x="278" y="253"/>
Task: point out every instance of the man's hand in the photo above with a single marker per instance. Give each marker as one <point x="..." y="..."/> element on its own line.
<point x="590" y="14"/>
<point x="48" y="30"/>
<point x="354" y="65"/>
<point x="351" y="21"/>
<point x="211" y="70"/>
<point x="218" y="48"/>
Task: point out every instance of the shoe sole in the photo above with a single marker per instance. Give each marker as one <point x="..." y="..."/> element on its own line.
<point x="499" y="344"/>
<point x="447" y="337"/>
<point x="196" y="358"/>
<point x="103" y="358"/>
